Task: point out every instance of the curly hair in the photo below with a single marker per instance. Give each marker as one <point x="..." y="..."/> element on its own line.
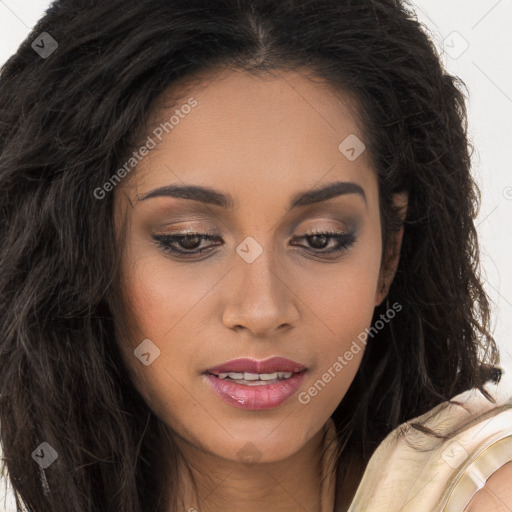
<point x="66" y="123"/>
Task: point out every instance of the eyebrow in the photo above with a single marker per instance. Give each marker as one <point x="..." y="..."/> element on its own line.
<point x="211" y="196"/>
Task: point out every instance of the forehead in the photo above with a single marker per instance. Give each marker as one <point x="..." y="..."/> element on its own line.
<point x="270" y="132"/>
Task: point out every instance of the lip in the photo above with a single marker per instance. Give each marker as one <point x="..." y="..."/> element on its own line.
<point x="271" y="365"/>
<point x="265" y="396"/>
<point x="253" y="398"/>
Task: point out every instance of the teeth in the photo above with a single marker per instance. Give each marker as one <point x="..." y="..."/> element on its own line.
<point x="231" y="375"/>
<point x="251" y="376"/>
<point x="255" y="376"/>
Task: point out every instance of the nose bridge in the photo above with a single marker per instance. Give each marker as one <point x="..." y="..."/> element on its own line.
<point x="262" y="301"/>
<point x="257" y="265"/>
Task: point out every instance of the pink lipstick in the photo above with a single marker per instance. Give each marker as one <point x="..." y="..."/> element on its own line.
<point x="255" y="385"/>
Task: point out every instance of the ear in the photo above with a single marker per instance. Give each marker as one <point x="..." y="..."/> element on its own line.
<point x="391" y="254"/>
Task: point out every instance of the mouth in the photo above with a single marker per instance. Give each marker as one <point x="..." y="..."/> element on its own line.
<point x="254" y="379"/>
<point x="254" y="385"/>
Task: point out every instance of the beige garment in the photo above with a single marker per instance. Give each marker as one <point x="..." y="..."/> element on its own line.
<point x="415" y="472"/>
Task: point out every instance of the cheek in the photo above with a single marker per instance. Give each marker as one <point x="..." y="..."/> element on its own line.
<point x="169" y="304"/>
<point x="162" y="293"/>
<point x="167" y="307"/>
<point x="342" y="295"/>
<point x="342" y="301"/>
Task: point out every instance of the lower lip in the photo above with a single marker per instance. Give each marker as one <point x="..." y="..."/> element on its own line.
<point x="255" y="398"/>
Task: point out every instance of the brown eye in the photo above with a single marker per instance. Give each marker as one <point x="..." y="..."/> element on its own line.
<point x="185" y="245"/>
<point x="190" y="242"/>
<point x="318" y="242"/>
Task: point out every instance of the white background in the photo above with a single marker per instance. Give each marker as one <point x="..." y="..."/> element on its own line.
<point x="475" y="39"/>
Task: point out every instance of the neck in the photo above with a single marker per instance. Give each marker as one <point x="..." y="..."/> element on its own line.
<point x="211" y="483"/>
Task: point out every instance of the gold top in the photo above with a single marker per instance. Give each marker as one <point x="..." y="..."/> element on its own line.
<point x="412" y="471"/>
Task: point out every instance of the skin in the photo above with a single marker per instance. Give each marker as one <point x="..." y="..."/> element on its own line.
<point x="261" y="139"/>
<point x="496" y="494"/>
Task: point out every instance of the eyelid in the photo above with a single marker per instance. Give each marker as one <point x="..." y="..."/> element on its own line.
<point x="323" y="229"/>
<point x="322" y="224"/>
<point x="171" y="230"/>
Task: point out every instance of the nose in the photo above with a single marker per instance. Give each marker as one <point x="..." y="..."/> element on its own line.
<point x="260" y="298"/>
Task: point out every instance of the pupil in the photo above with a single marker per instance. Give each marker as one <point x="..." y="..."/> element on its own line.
<point x="316" y="238"/>
<point x="190" y="242"/>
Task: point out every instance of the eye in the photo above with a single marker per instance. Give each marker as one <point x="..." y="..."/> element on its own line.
<point x="188" y="245"/>
<point x="319" y="241"/>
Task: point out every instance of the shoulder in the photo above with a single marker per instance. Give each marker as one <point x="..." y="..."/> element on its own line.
<point x="496" y="494"/>
<point x="469" y="440"/>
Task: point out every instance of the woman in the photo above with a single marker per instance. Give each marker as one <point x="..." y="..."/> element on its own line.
<point x="239" y="266"/>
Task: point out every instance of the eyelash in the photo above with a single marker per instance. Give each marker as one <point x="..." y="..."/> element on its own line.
<point x="164" y="242"/>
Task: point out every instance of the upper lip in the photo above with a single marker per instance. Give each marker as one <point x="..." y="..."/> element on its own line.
<point x="271" y="365"/>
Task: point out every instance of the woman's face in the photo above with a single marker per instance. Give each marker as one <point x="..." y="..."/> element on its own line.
<point x="259" y="289"/>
